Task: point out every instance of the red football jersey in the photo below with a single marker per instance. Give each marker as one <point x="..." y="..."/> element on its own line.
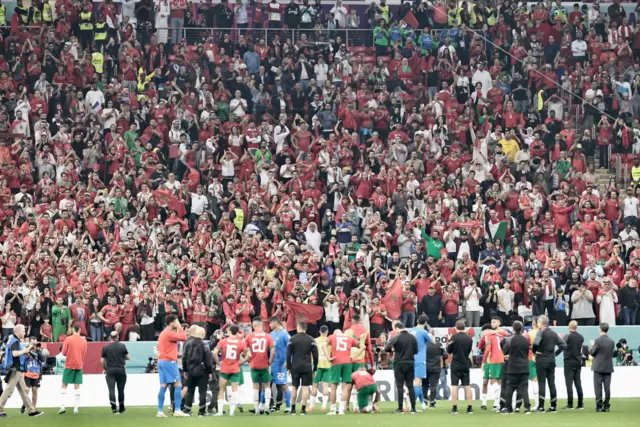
<point x="362" y="379"/>
<point x="341" y="346"/>
<point x="231" y="349"/>
<point x="260" y="345"/>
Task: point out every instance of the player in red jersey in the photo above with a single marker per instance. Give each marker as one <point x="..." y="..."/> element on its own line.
<point x="262" y="349"/>
<point x="366" y="387"/>
<point x="233" y="351"/>
<point x="341" y="368"/>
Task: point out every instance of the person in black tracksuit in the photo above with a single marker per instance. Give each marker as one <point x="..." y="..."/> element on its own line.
<point x="114" y="357"/>
<point x="516" y="351"/>
<point x="405" y="346"/>
<point x="544" y="347"/>
<point x="459" y="347"/>
<point x="302" y="362"/>
<point x="573" y="365"/>
<point x="503" y="389"/>
<point x="215" y="376"/>
<point x="197" y="365"/>
<point x="435" y="355"/>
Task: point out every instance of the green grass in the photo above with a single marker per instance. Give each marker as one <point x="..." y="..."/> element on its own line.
<point x="624" y="413"/>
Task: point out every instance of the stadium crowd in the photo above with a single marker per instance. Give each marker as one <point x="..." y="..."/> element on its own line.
<point x="450" y="169"/>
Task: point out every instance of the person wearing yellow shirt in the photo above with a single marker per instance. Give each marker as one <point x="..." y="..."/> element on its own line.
<point x="323" y="374"/>
<point x="510" y="146"/>
<point x="635" y="171"/>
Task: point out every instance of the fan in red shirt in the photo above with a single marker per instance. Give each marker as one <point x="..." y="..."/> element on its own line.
<point x="110" y="315"/>
<point x="262" y="349"/>
<point x="232" y="351"/>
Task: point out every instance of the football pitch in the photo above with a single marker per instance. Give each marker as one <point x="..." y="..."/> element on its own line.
<point x="624" y="412"/>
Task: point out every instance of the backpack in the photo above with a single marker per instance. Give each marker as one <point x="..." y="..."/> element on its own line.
<point x="7" y="356"/>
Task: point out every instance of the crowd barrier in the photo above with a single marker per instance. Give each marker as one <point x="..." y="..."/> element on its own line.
<point x="141" y="389"/>
<point x="141" y="351"/>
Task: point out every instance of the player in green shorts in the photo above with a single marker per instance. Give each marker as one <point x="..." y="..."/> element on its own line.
<point x="341" y="373"/>
<point x="262" y="349"/>
<point x="74" y="349"/>
<point x="341" y="370"/>
<point x="366" y="387"/>
<point x="533" y="373"/>
<point x="323" y="374"/>
<point x="233" y="352"/>
<point x="495" y="371"/>
<point x="493" y="361"/>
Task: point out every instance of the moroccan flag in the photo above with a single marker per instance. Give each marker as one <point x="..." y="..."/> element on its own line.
<point x="165" y="198"/>
<point x="393" y="300"/>
<point x="305" y="312"/>
<point x="411" y="20"/>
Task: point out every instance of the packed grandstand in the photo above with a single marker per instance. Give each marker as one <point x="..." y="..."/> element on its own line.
<point x="224" y="161"/>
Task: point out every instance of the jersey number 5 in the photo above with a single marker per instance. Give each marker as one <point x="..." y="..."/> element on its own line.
<point x="341" y="344"/>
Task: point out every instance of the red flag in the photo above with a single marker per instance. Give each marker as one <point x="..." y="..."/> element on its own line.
<point x="393" y="300"/>
<point x="411" y="20"/>
<point x="164" y="197"/>
<point x="305" y="312"/>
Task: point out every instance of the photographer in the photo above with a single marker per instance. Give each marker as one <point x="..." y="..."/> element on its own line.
<point x="624" y="356"/>
<point x="33" y="374"/>
<point x="16" y="364"/>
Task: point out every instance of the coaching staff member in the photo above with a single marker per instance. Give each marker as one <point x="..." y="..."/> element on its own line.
<point x="302" y="362"/>
<point x="602" y="350"/>
<point x="405" y="346"/>
<point x="114" y="357"/>
<point x="436" y="356"/>
<point x="198" y="366"/>
<point x="459" y="347"/>
<point x="516" y="349"/>
<point x="573" y="365"/>
<point x="544" y="347"/>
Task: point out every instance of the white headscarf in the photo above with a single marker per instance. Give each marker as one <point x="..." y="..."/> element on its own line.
<point x="313" y="238"/>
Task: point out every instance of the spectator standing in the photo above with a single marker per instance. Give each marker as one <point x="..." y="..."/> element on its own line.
<point x="292" y="15"/>
<point x="162" y="13"/>
<point x="472" y="295"/>
<point x="629" y="299"/>
<point x="176" y="20"/>
<point x="582" y="309"/>
<point x="275" y="14"/>
<point x="340" y="13"/>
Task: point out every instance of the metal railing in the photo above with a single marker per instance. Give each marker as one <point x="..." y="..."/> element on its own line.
<point x="353" y="37"/>
<point x="195" y="35"/>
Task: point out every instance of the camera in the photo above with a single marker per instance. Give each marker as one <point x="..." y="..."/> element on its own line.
<point x="152" y="366"/>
